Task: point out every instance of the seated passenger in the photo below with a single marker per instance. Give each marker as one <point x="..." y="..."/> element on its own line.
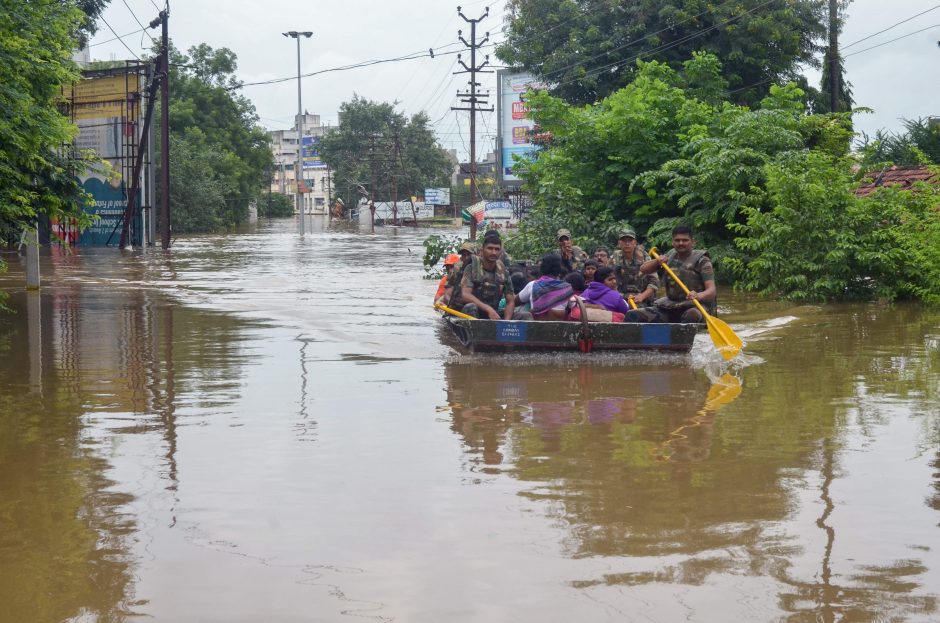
<point x="590" y="267"/>
<point x="485" y="281"/>
<point x="519" y="282"/>
<point x="603" y="291"/>
<point x="576" y="280"/>
<point x="442" y="296"/>
<point x="548" y="294"/>
<point x="601" y="256"/>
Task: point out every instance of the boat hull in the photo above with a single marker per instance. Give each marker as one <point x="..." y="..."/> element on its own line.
<point x="544" y="335"/>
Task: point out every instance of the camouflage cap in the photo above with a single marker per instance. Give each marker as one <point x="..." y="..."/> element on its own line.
<point x="563" y="233"/>
<point x="468" y="246"/>
<point x="626" y="233"/>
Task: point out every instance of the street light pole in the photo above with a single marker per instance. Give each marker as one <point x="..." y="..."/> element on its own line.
<point x="299" y="171"/>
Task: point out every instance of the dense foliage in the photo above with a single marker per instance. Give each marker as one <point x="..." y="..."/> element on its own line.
<point x="36" y="174"/>
<point x="37" y="168"/>
<point x="919" y="144"/>
<point x="376" y="149"/>
<point x="276" y="205"/>
<point x="587" y="49"/>
<point x="819" y="241"/>
<point x="218" y="152"/>
<point x="768" y="190"/>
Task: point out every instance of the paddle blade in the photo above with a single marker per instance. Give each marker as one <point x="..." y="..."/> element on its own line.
<point x="726" y="340"/>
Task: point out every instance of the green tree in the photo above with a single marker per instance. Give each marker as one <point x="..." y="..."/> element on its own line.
<point x="377" y="149"/>
<point x="224" y="152"/>
<point x="919" y="144"/>
<point x="585" y="178"/>
<point x="276" y="205"/>
<point x="37" y="166"/>
<point x="848" y="247"/>
<point x="89" y="25"/>
<point x="586" y="49"/>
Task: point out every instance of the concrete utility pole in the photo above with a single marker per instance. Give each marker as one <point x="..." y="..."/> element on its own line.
<point x="372" y="164"/>
<point x="31" y="238"/>
<point x="299" y="171"/>
<point x="835" y="65"/>
<point x="474" y="98"/>
<point x="165" y="133"/>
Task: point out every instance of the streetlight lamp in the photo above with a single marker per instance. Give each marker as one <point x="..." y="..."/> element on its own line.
<point x="299" y="171"/>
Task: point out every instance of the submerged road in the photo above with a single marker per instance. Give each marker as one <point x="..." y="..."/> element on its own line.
<point x="259" y="427"/>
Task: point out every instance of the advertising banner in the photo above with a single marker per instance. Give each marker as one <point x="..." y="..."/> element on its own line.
<point x="310" y="153"/>
<point x="106" y="110"/>
<point x="437" y="196"/>
<point x="514" y="127"/>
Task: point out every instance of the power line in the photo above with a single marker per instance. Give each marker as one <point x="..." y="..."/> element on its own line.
<point x="903" y="21"/>
<point x="91" y="45"/>
<point x="142" y="27"/>
<point x="119" y="37"/>
<point x="892" y="40"/>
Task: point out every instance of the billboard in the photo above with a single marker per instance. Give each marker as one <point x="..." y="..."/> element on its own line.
<point x="437" y="196"/>
<point x="310" y="153"/>
<point x="514" y="127"/>
<point x="107" y="110"/>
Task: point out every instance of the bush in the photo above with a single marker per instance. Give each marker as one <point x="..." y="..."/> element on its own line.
<point x="820" y="242"/>
<point x="276" y="205"/>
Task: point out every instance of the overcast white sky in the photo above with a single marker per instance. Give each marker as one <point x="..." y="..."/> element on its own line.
<point x="897" y="79"/>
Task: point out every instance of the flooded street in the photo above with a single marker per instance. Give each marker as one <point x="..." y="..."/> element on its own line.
<point x="260" y="427"/>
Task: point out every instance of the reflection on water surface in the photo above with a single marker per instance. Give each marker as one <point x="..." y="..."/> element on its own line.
<point x="231" y="432"/>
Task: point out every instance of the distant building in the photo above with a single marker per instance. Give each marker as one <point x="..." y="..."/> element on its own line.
<point x="317" y="182"/>
<point x="902" y="177"/>
<point x="486" y="180"/>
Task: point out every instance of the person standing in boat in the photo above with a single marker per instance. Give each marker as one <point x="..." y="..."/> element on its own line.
<point x="694" y="268"/>
<point x="626" y="262"/>
<point x="485" y="281"/>
<point x="572" y="257"/>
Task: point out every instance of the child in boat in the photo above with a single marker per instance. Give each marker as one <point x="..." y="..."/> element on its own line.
<point x="449" y="263"/>
<point x="590" y="267"/>
<point x="519" y="282"/>
<point x="603" y="291"/>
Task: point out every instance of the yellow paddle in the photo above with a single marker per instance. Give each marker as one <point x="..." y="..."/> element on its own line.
<point x="631" y="301"/>
<point x="453" y="312"/>
<point x="726" y="341"/>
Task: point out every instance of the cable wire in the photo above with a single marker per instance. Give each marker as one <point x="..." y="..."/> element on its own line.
<point x="119" y="37"/>
<point x="892" y="40"/>
<point x="903" y="21"/>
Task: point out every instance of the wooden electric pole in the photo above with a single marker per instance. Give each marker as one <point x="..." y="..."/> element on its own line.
<point x="476" y="99"/>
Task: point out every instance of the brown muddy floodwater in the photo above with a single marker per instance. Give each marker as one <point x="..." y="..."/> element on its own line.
<point x="260" y="427"/>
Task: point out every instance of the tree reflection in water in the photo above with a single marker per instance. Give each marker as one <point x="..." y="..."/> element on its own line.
<point x="113" y="362"/>
<point x="638" y="465"/>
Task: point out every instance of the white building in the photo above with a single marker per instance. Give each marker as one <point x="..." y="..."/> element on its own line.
<point x="317" y="178"/>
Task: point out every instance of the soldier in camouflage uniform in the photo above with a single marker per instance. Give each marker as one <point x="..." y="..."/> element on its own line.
<point x="466" y="251"/>
<point x="485" y="281"/>
<point x="695" y="270"/>
<point x="572" y="257"/>
<point x="626" y="262"/>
